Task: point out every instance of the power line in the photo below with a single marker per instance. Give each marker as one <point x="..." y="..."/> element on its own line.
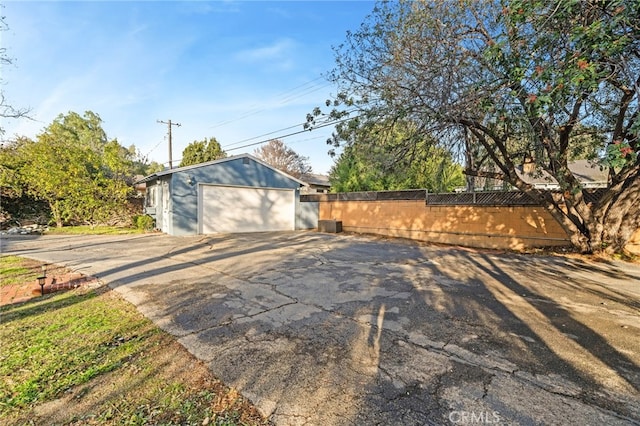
<point x="305" y="140"/>
<point x="288" y="135"/>
<point x="285" y="97"/>
<point x="153" y="149"/>
<point x="292" y="134"/>
<point x="279" y="130"/>
<point x="265" y="134"/>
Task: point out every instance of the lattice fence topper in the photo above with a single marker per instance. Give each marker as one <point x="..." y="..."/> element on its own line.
<point x="510" y="198"/>
<point x="489" y="198"/>
<point x="411" y="194"/>
<point x="499" y="198"/>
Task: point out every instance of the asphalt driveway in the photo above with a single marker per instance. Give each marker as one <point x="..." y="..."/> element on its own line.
<point x="339" y="329"/>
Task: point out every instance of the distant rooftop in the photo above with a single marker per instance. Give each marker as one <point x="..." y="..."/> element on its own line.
<point x="589" y="174"/>
<point x="315" y="179"/>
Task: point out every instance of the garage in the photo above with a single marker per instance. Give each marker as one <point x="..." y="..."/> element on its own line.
<point x="229" y="209"/>
<point x="229" y="195"/>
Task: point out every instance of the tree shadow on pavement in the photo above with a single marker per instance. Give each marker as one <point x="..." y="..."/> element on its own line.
<point x="338" y="329"/>
<point x="359" y="331"/>
<point x="466" y="314"/>
<point x="582" y="336"/>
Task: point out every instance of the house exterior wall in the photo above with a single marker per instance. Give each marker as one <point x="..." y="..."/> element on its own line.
<point x="160" y="203"/>
<point x="504" y="227"/>
<point x="306" y="214"/>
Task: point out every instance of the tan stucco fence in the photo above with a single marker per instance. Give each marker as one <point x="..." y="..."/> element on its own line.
<point x="485" y="226"/>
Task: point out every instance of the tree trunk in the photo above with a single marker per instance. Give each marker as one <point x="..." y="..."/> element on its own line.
<point x="575" y="229"/>
<point x="604" y="228"/>
<point x="607" y="224"/>
<point x="622" y="219"/>
<point x="57" y="215"/>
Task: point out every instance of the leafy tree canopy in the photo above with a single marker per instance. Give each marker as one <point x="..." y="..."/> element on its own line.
<point x="141" y="166"/>
<point x="503" y="82"/>
<point x="378" y="158"/>
<point x="202" y="151"/>
<point x="71" y="165"/>
<point x="280" y="156"/>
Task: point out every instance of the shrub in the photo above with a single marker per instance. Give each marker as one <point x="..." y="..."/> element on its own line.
<point x="144" y="221"/>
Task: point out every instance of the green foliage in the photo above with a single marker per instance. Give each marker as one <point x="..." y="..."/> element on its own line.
<point x="373" y="161"/>
<point x="202" y="151"/>
<point x="140" y="165"/>
<point x="74" y="168"/>
<point x="93" y="230"/>
<point x="506" y="82"/>
<point x="144" y="222"/>
<point x="619" y="154"/>
<point x="11" y="164"/>
<point x="146" y="169"/>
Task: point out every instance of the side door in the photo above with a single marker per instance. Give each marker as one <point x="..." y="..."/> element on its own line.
<point x="166" y="206"/>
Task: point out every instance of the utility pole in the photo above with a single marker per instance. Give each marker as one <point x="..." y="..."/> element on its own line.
<point x="169" y="124"/>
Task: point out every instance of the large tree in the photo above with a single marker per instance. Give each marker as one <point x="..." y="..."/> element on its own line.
<point x="72" y="166"/>
<point x="202" y="151"/>
<point x="376" y="157"/>
<point x="507" y="82"/>
<point x="280" y="156"/>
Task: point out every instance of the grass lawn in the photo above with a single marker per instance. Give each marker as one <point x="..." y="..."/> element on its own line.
<point x="98" y="230"/>
<point x="16" y="270"/>
<point x="88" y="357"/>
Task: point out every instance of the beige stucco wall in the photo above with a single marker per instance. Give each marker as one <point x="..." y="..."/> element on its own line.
<point x="514" y="228"/>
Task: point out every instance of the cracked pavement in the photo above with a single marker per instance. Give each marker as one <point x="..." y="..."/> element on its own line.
<point x="350" y="330"/>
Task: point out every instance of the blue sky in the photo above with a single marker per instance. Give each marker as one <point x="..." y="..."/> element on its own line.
<point x="225" y="69"/>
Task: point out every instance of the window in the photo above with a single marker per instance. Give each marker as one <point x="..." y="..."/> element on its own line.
<point x="151" y="195"/>
<point x="165" y="195"/>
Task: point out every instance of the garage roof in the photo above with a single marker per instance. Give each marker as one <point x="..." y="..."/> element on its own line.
<point x="212" y="163"/>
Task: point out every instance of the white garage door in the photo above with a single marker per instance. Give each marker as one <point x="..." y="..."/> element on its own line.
<point x="245" y="209"/>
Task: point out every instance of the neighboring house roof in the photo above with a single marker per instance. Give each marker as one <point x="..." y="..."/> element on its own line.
<point x="589" y="174"/>
<point x="212" y="163"/>
<point x="139" y="186"/>
<point x="316" y="180"/>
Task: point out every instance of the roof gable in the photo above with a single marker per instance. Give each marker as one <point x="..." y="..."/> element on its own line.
<point x="169" y="172"/>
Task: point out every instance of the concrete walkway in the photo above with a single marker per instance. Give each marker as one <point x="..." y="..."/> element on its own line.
<point x="325" y="329"/>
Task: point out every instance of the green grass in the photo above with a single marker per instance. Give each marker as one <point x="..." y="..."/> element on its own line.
<point x="14" y="270"/>
<point x="88" y="357"/>
<point x="98" y="230"/>
<point x="54" y="344"/>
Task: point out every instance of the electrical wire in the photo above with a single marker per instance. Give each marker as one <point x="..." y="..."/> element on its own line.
<point x="275" y="131"/>
<point x="263" y="135"/>
<point x="327" y="124"/>
<point x="285" y="97"/>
